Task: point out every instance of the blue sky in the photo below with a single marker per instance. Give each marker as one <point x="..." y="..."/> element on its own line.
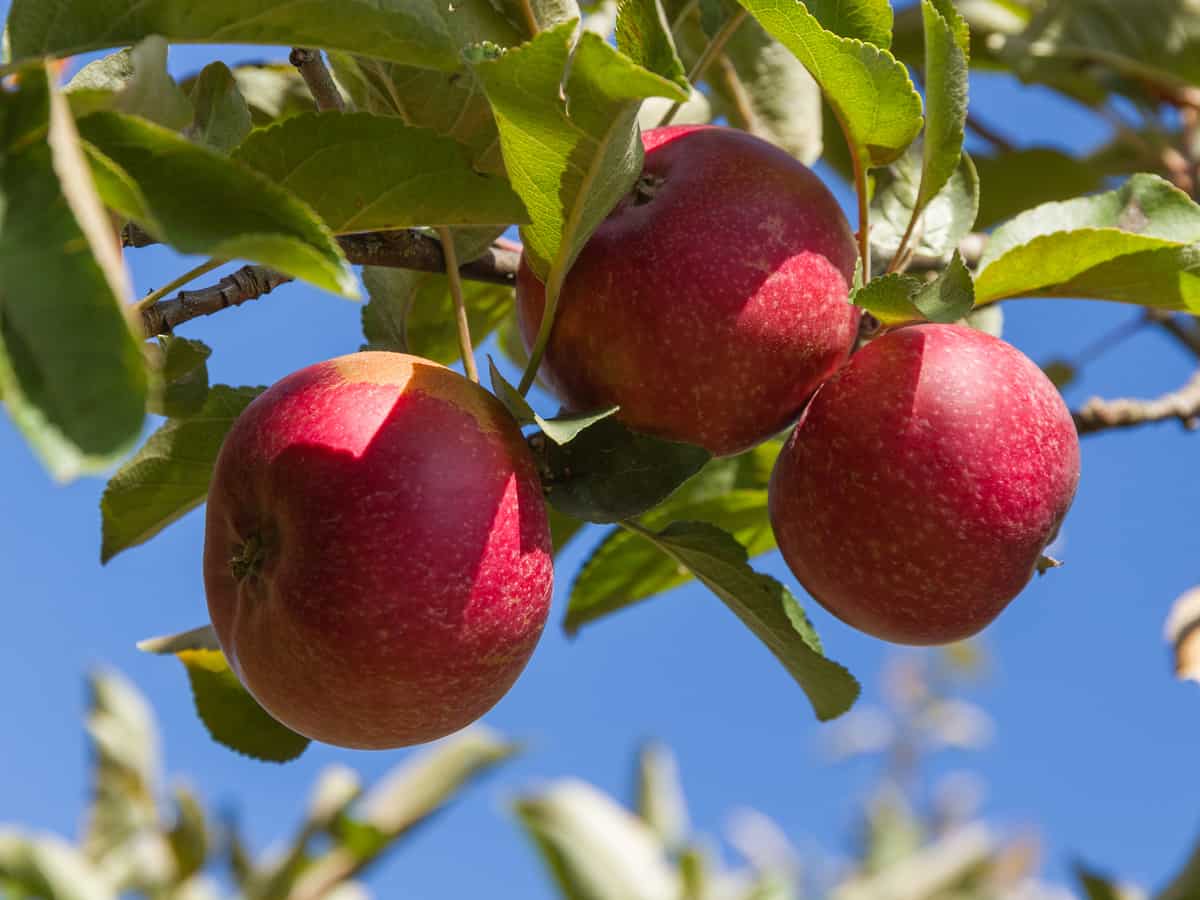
<point x="1095" y="744"/>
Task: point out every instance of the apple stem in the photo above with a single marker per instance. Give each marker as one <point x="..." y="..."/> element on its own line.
<point x="711" y="52"/>
<point x="460" y="305"/>
<point x="864" y="213"/>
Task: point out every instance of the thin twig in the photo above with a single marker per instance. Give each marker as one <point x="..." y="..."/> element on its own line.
<point x="311" y="66"/>
<point x="465" y="347"/>
<point x="1102" y="415"/>
<point x="247" y="283"/>
<point x="1184" y="329"/>
<point x="404" y="249"/>
<point x="176" y="283"/>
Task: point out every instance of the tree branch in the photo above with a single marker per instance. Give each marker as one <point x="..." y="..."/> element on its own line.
<point x="316" y="75"/>
<point x="247" y="283"/>
<point x="1102" y="415"/>
<point x="405" y="249"/>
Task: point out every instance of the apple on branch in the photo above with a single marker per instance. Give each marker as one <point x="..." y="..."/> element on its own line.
<point x="377" y="557"/>
<point x="923" y="482"/>
<point x="713" y="299"/>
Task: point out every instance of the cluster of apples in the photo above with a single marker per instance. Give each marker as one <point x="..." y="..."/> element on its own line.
<point x="378" y="562"/>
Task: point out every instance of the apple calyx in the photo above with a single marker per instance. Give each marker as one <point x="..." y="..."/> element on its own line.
<point x="249" y="557"/>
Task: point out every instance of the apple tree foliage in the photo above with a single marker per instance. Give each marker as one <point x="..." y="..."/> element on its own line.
<point x="406" y="123"/>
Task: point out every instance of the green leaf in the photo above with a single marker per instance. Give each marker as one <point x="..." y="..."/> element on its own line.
<point x="610" y="473"/>
<point x="410" y="32"/>
<point x="864" y="20"/>
<point x="169" y="475"/>
<point x="900" y="298"/>
<point x="594" y="848"/>
<point x="450" y="103"/>
<point x="180" y="384"/>
<point x="644" y="36"/>
<point x="48" y="868"/>
<point x="624" y="569"/>
<point x="1186" y="883"/>
<point x="413" y="312"/>
<point x="765" y="606"/>
<point x="199" y="201"/>
<point x="661" y="801"/>
<point x="562" y="527"/>
<point x="72" y="372"/>
<point x="947" y="45"/>
<point x="572" y="150"/>
<point x="222" y="119"/>
<point x="547" y="14"/>
<point x="1137" y="244"/>
<point x="561" y="430"/>
<point x="233" y="718"/>
<point x="139" y="84"/>
<point x="889" y="298"/>
<point x="950" y="296"/>
<point x="942" y="222"/>
<point x="370" y="173"/>
<point x="868" y="89"/>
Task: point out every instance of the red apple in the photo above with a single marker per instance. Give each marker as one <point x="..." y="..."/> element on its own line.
<point x="916" y="496"/>
<point x="377" y="556"/>
<point x="713" y="299"/>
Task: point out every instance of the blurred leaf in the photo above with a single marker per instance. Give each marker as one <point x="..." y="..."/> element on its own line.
<point x="336" y="788"/>
<point x="936" y="868"/>
<point x="408" y="32"/>
<point x="413" y="312"/>
<point x="610" y="473"/>
<point x="125" y="769"/>
<point x="361" y="172"/>
<point x="944" y="220"/>
<point x="48" y="868"/>
<point x="1014" y="181"/>
<point x="72" y="372"/>
<point x="1096" y="886"/>
<point x="1136" y="244"/>
<point x="166" y="184"/>
<point x="870" y="91"/>
<point x="169" y="475"/>
<point x="561" y="429"/>
<point x="595" y="849"/>
<point x="222" y="117"/>
<point x="202" y="638"/>
<point x="188" y="837"/>
<point x="661" y="801"/>
<point x="1060" y="372"/>
<point x="547" y="13"/>
<point x="1186" y="883"/>
<point x="180" y="376"/>
<point x="140" y="84"/>
<point x="644" y="36"/>
<point x="233" y="718"/>
<point x="570" y="170"/>
<point x="1182" y="632"/>
<point x="765" y="606"/>
<point x="1147" y="43"/>
<point x="406" y="797"/>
